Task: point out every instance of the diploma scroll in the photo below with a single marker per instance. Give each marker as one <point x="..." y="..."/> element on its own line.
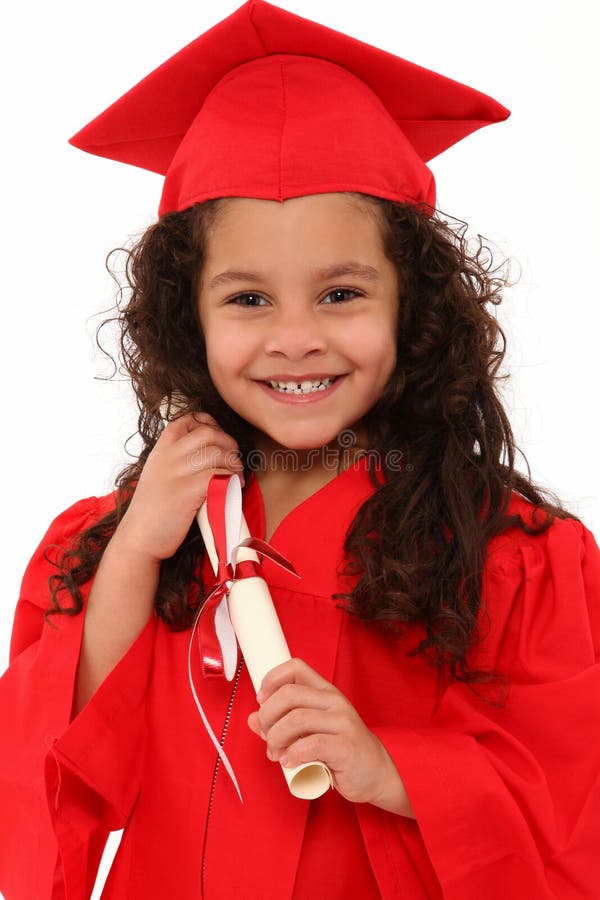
<point x="261" y="641"/>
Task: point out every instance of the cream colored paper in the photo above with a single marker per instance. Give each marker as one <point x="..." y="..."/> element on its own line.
<point x="263" y="646"/>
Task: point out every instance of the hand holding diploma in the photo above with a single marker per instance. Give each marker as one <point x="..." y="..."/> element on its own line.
<point x="303" y="716"/>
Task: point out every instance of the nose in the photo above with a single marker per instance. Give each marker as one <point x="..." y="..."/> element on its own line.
<point x="295" y="334"/>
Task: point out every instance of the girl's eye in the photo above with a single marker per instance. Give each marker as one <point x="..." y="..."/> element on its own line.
<point x="339" y="295"/>
<point x="248" y="300"/>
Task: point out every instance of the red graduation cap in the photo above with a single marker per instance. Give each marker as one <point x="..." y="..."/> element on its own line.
<point x="270" y="105"/>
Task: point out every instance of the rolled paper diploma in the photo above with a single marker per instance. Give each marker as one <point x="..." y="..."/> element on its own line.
<point x="263" y="646"/>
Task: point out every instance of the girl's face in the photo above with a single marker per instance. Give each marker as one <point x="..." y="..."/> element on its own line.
<point x="299" y="293"/>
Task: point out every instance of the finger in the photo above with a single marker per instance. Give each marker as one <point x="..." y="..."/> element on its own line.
<point x="199" y="437"/>
<point x="327" y="748"/>
<point x="299" y="724"/>
<point x="291" y="698"/>
<point x="205" y="417"/>
<point x="174" y="407"/>
<point x="179" y="426"/>
<point x="208" y="473"/>
<point x="254" y="725"/>
<point x="208" y="456"/>
<point x="204" y="432"/>
<point x="293" y="671"/>
<point x="182" y="424"/>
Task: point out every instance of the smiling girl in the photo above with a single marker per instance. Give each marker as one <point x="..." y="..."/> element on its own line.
<point x="329" y="338"/>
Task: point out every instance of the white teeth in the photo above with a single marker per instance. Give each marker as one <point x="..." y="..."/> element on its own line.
<point x="302" y="387"/>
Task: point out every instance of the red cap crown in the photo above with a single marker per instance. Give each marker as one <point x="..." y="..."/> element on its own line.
<point x="267" y="104"/>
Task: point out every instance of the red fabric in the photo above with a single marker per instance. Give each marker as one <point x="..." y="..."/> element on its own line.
<point x="268" y="104"/>
<point x="506" y="799"/>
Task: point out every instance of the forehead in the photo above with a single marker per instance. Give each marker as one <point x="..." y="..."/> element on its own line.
<point x="316" y="216"/>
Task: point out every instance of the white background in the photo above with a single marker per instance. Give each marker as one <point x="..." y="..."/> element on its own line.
<point x="530" y="185"/>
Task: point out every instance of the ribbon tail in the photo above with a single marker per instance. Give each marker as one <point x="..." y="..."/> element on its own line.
<point x="226" y="638"/>
<point x="210" y="732"/>
<point x="265" y="549"/>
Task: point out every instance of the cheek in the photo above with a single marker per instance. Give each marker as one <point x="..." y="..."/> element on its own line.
<point x="379" y="351"/>
<point x="224" y="351"/>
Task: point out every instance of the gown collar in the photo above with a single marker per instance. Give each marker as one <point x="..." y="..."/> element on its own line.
<point x="315" y="529"/>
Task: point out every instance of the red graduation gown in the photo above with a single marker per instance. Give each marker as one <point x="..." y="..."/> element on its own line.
<point x="507" y="800"/>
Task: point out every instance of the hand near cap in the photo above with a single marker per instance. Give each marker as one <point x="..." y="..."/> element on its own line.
<point x="304" y="717"/>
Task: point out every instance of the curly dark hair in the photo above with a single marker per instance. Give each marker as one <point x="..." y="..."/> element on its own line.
<point x="417" y="545"/>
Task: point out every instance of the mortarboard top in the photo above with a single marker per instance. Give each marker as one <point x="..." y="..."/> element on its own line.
<point x="270" y="105"/>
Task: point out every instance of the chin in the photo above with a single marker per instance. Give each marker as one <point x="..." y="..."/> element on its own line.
<point x="299" y="445"/>
<point x="304" y="441"/>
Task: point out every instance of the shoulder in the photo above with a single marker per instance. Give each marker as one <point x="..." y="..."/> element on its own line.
<point x="59" y="536"/>
<point x="77" y="517"/>
<point x="541" y="595"/>
<point x="563" y="538"/>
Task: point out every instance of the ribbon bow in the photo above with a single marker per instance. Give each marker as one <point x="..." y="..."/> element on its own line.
<point x="216" y="638"/>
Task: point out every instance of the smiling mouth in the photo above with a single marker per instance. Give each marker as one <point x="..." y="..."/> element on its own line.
<point x="302" y="387"/>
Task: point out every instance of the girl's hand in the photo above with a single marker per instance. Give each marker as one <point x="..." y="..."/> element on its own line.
<point x="303" y="717"/>
<point x="173" y="484"/>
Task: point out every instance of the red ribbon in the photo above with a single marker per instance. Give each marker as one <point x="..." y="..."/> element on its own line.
<point x="228" y="570"/>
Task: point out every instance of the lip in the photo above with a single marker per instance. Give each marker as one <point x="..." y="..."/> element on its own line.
<point x="314" y="397"/>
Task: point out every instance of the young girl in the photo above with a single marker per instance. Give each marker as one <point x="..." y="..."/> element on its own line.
<point x="327" y="337"/>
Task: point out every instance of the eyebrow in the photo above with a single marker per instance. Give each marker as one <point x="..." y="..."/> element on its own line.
<point x="336" y="271"/>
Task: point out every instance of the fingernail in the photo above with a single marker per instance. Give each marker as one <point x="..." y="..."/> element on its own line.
<point x="283" y="760"/>
<point x="270" y="755"/>
<point x="260" y="697"/>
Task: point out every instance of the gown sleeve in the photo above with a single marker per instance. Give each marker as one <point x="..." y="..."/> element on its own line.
<point x="507" y="798"/>
<point x="64" y="784"/>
